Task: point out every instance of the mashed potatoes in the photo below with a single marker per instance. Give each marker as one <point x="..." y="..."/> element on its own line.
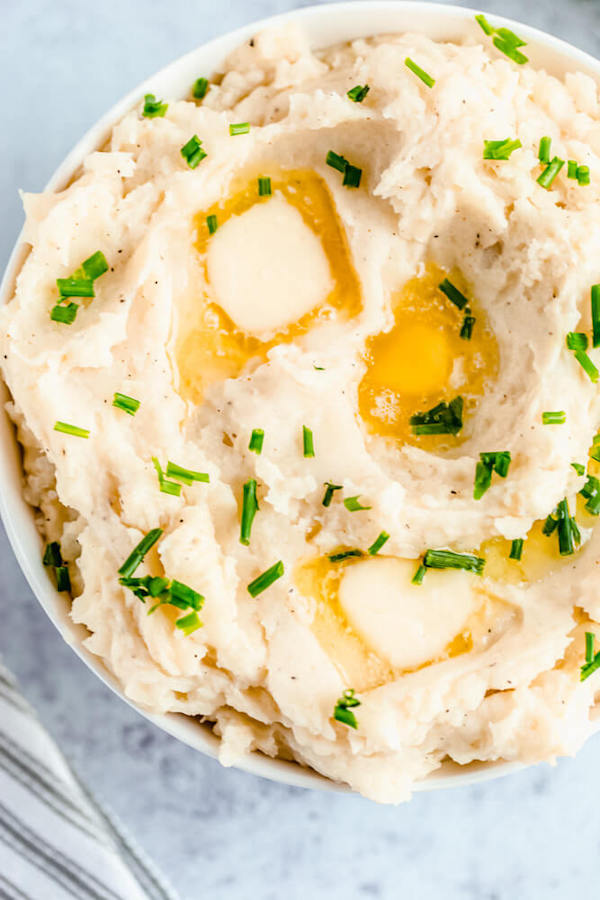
<point x="326" y="320"/>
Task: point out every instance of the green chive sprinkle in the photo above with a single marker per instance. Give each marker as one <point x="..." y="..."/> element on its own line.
<point x="549" y="526"/>
<point x="153" y="108"/>
<point x="506" y="41"/>
<point x="359" y="92"/>
<point x="127" y="404"/>
<point x="568" y="533"/>
<point x="483" y="22"/>
<point x="483" y="480"/>
<point x="73" y="430"/>
<point x="445" y="418"/>
<point x="265" y="580"/>
<point x="164" y="485"/>
<point x="579" y="468"/>
<point x="95" y="265"/>
<point x="583" y="175"/>
<point x="592" y="663"/>
<point x="138" y="553"/>
<point x="200" y="88"/>
<point x="330" y="488"/>
<point x="190" y="623"/>
<point x="500" y="150"/>
<point x="249" y="510"/>
<point x="516" y="549"/>
<point x="547" y="177"/>
<point x="595" y="315"/>
<point x="264" y="186"/>
<point x="336" y="161"/>
<point x="544" y="150"/>
<point x="453" y="294"/>
<point x="587" y="365"/>
<point x="447" y="559"/>
<point x="75" y="287"/>
<point x="52" y="555"/>
<point x="577" y="340"/>
<point x="307" y="442"/>
<point x="186" y="476"/>
<point x="419" y="575"/>
<point x="466" y="331"/>
<point x="554" y="418"/>
<point x="591" y="493"/>
<point x="256" y="441"/>
<point x="571" y="168"/>
<point x="192" y="152"/>
<point x="63" y="581"/>
<point x="352" y="176"/>
<point x="589" y="646"/>
<point x="344" y="554"/>
<point x="65" y="314"/>
<point x="212" y="223"/>
<point x="378" y="543"/>
<point x="353" y="504"/>
<point x="342" y="711"/>
<point x="239" y="128"/>
<point x="419" y="72"/>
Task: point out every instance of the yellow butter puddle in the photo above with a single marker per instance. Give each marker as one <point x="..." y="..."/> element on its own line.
<point x="423" y="360"/>
<point x="358" y="663"/>
<point x="208" y="346"/>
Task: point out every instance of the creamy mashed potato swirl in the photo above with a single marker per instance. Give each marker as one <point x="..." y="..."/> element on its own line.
<point x="280" y="319"/>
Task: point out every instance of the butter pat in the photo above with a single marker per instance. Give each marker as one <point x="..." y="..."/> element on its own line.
<point x="406" y="624"/>
<point x="268" y="268"/>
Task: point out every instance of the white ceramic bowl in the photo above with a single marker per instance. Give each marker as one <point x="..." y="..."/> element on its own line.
<point x="325" y="25"/>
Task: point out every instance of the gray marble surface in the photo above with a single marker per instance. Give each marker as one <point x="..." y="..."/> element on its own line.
<point x="218" y="832"/>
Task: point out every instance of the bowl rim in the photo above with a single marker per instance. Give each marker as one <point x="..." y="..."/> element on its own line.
<point x="326" y="24"/>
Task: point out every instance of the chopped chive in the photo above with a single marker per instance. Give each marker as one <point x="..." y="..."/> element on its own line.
<point x="583" y="175"/>
<point x="445" y="418"/>
<point x="193" y="152"/>
<point x="265" y="580"/>
<point x="419" y="575"/>
<point x="466" y="331"/>
<point x="358" y="92"/>
<point x="336" y="161"/>
<point x="344" y="554"/>
<point x="453" y="294"/>
<point x="550" y="172"/>
<point x="571" y="168"/>
<point x="249" y="510"/>
<point x="190" y="623"/>
<point x="200" y="88"/>
<point x="318" y="368"/>
<point x="483" y="480"/>
<point x="183" y="595"/>
<point x="264" y="186"/>
<point x="549" y="526"/>
<point x="577" y="340"/>
<point x="95" y="265"/>
<point x="328" y="496"/>
<point x="352" y="176"/>
<point x="153" y="108"/>
<point x="554" y="418"/>
<point x="256" y="441"/>
<point x="507" y="42"/>
<point x="138" y="553"/>
<point x="447" y="559"/>
<point x="500" y="150"/>
<point x="378" y="543"/>
<point x="483" y="22"/>
<point x="239" y="128"/>
<point x="419" y="72"/>
<point x="63" y="581"/>
<point x="544" y="150"/>
<point x="65" y="314"/>
<point x="589" y="646"/>
<point x="516" y="549"/>
<point x="591" y="494"/>
<point x="353" y="504"/>
<point x="589" y="668"/>
<point x="65" y="428"/>
<point x="75" y="287"/>
<point x="164" y="485"/>
<point x="595" y="296"/>
<point x="127" y="404"/>
<point x="212" y="223"/>
<point x="587" y="365"/>
<point x="307" y="442"/>
<point x="579" y="468"/>
<point x="568" y="533"/>
<point x="186" y="476"/>
<point x="342" y="711"/>
<point x="52" y="555"/>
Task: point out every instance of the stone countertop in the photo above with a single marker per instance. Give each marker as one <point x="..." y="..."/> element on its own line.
<point x="219" y="832"/>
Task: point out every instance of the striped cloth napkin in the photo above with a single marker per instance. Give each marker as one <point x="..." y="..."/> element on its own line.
<point x="56" y="843"/>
